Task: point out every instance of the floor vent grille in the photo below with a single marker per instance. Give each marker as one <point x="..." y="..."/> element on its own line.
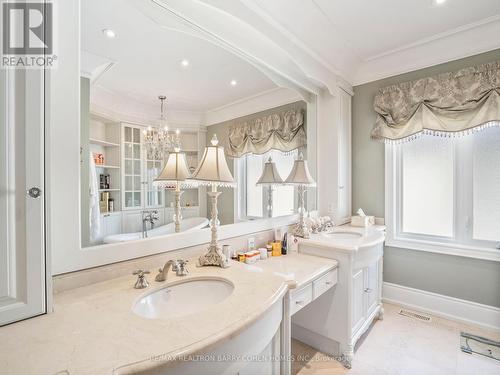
<point x="414" y="315"/>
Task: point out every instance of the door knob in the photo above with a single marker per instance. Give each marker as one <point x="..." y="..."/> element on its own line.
<point x="34" y="192"/>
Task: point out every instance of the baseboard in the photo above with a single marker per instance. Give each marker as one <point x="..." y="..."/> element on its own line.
<point x="315" y="340"/>
<point x="460" y="310"/>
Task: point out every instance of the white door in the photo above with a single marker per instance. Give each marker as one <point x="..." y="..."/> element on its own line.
<point x="22" y="249"/>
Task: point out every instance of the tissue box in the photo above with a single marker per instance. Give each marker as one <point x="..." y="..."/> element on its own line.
<point x="362" y="221"/>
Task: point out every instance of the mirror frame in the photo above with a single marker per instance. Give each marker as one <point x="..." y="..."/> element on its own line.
<point x="62" y="108"/>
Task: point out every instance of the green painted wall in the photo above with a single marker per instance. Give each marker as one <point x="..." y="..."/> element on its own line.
<point x="465" y="278"/>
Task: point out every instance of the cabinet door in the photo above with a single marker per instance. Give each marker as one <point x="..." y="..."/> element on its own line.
<point x="132" y="177"/>
<point x="154" y="194"/>
<point x="371" y="287"/>
<point x="22" y="250"/>
<point x="358" y="300"/>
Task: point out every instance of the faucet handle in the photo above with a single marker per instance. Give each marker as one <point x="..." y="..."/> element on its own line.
<point x="141" y="281"/>
<point x="181" y="267"/>
<point x="140" y="272"/>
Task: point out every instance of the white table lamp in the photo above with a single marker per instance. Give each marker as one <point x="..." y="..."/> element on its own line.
<point x="269" y="178"/>
<point x="301" y="177"/>
<point x="213" y="171"/>
<point x="174" y="174"/>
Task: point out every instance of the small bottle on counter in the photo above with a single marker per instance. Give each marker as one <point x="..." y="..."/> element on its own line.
<point x="269" y="248"/>
<point x="276" y="248"/>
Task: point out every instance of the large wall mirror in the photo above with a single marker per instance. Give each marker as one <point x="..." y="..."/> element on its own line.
<point x="131" y="94"/>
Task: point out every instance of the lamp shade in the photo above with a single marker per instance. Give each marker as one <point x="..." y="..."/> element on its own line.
<point x="300" y="173"/>
<point x="175" y="170"/>
<point x="270" y="175"/>
<point x="213" y="168"/>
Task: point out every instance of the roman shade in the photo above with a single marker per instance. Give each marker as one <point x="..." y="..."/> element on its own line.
<point x="448" y="104"/>
<point x="283" y="131"/>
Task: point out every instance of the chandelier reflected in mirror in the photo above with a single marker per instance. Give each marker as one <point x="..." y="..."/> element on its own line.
<point x="158" y="140"/>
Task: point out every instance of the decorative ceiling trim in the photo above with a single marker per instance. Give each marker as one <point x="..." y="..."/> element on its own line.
<point x="200" y="15"/>
<point x="252" y="104"/>
<point x="449" y="47"/>
<point x="435" y="37"/>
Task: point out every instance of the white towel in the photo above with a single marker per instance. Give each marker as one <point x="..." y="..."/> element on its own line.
<point x="94" y="212"/>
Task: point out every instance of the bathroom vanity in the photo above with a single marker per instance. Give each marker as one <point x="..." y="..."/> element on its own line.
<point x="212" y="321"/>
<point x="333" y="325"/>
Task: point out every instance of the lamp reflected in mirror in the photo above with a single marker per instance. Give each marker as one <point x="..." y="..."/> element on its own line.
<point x="270" y="177"/>
<point x="175" y="174"/>
<point x="301" y="177"/>
<point x="213" y="171"/>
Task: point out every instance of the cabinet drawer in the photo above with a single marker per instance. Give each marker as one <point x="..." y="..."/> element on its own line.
<point x="324" y="283"/>
<point x="300" y="298"/>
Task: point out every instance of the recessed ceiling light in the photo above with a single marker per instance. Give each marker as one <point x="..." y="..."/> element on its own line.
<point x="438" y="2"/>
<point x="185" y="63"/>
<point x="233" y="82"/>
<point x="109" y="33"/>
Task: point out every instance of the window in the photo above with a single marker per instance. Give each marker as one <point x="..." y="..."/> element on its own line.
<point x="253" y="199"/>
<point x="443" y="194"/>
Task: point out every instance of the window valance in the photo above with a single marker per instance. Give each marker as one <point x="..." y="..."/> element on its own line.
<point x="283" y="131"/>
<point x="448" y="104"/>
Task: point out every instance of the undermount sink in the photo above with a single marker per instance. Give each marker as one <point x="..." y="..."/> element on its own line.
<point x="184" y="298"/>
<point x="343" y="235"/>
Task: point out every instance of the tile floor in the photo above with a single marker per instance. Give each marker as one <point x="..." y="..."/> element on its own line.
<point x="400" y="345"/>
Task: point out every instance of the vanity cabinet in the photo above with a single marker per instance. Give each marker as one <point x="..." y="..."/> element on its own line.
<point x="333" y="325"/>
<point x="364" y="294"/>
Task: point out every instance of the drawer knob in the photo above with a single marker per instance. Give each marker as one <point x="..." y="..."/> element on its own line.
<point x="328" y="283"/>
<point x="368" y="290"/>
<point x="299" y="302"/>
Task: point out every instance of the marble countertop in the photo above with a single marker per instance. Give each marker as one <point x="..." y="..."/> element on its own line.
<point x="369" y="236"/>
<point x="94" y="331"/>
<point x="297" y="269"/>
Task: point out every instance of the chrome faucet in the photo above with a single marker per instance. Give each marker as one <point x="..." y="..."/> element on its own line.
<point x="178" y="266"/>
<point x="151" y="217"/>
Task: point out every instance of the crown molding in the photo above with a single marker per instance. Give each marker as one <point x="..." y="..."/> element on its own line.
<point x="435" y="37"/>
<point x="187" y="121"/>
<point x="461" y="42"/>
<point x="117" y="110"/>
<point x="256" y="103"/>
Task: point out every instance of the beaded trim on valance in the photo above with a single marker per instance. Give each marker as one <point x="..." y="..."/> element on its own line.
<point x="449" y="104"/>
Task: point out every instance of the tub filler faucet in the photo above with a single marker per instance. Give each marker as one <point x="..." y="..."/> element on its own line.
<point x="148" y="217"/>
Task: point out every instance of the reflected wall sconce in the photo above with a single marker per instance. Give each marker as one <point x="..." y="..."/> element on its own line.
<point x="270" y="177"/>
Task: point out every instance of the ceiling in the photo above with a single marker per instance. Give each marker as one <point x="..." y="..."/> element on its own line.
<point x="347" y="34"/>
<point x="320" y="43"/>
<point x="144" y="61"/>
